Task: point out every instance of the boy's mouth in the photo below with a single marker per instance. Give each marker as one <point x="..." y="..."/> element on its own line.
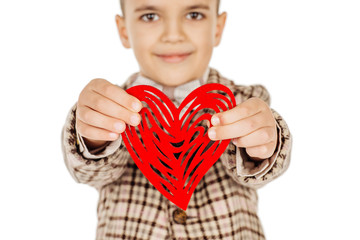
<point x="174" y="57"/>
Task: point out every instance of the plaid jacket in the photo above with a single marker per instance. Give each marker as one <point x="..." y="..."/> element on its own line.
<point x="223" y="205"/>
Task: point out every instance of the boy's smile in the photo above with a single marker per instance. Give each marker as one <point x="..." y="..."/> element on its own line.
<point x="172" y="40"/>
<point x="174" y="57"/>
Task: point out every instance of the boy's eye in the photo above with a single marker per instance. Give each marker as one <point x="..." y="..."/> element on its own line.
<point x="148" y="16"/>
<point x="195" y="15"/>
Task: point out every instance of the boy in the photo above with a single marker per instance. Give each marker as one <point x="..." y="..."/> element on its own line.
<point x="173" y="42"/>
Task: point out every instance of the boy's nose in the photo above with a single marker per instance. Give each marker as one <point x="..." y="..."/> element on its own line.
<point x="173" y="32"/>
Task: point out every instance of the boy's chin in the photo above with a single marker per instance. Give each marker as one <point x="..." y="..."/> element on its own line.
<point x="173" y="82"/>
<point x="174" y="78"/>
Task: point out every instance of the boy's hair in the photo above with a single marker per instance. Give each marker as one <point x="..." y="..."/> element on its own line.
<point x="123" y="7"/>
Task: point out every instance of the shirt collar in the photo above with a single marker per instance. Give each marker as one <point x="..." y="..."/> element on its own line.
<point x="176" y="93"/>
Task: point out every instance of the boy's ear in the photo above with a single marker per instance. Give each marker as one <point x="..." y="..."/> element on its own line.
<point x="220" y="24"/>
<point x="120" y="23"/>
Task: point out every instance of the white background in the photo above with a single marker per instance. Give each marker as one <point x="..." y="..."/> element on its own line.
<point x="306" y="53"/>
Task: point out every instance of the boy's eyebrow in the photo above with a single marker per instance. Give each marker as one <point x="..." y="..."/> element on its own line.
<point x="202" y="6"/>
<point x="154" y="8"/>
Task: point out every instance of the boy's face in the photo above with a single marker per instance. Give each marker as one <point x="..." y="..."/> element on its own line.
<point x="187" y="30"/>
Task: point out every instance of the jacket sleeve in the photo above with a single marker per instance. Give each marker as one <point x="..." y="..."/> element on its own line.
<point x="96" y="168"/>
<point x="238" y="163"/>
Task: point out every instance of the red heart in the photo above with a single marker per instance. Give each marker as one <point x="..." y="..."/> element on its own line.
<point x="171" y="148"/>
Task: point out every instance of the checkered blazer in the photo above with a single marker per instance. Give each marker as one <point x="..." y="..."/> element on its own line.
<point x="223" y="205"/>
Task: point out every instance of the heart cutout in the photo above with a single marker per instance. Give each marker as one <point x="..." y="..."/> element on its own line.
<point x="171" y="146"/>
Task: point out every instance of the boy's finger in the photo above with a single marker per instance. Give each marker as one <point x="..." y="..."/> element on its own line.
<point x="238" y="129"/>
<point x="99" y="120"/>
<point x="261" y="152"/>
<point x="95" y="133"/>
<point x="243" y="110"/>
<point x="259" y="137"/>
<point x="117" y="94"/>
<point x="107" y="107"/>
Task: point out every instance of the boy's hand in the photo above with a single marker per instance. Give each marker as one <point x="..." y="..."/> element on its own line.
<point x="102" y="111"/>
<point x="250" y="124"/>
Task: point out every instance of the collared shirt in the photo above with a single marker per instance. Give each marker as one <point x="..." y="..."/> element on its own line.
<point x="176" y="94"/>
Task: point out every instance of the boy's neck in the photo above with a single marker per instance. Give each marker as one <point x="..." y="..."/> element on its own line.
<point x="202" y="80"/>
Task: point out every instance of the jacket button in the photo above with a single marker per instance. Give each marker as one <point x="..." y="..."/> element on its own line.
<point x="179" y="216"/>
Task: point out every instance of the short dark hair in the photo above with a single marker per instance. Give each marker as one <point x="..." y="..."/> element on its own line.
<point x="122" y="7"/>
